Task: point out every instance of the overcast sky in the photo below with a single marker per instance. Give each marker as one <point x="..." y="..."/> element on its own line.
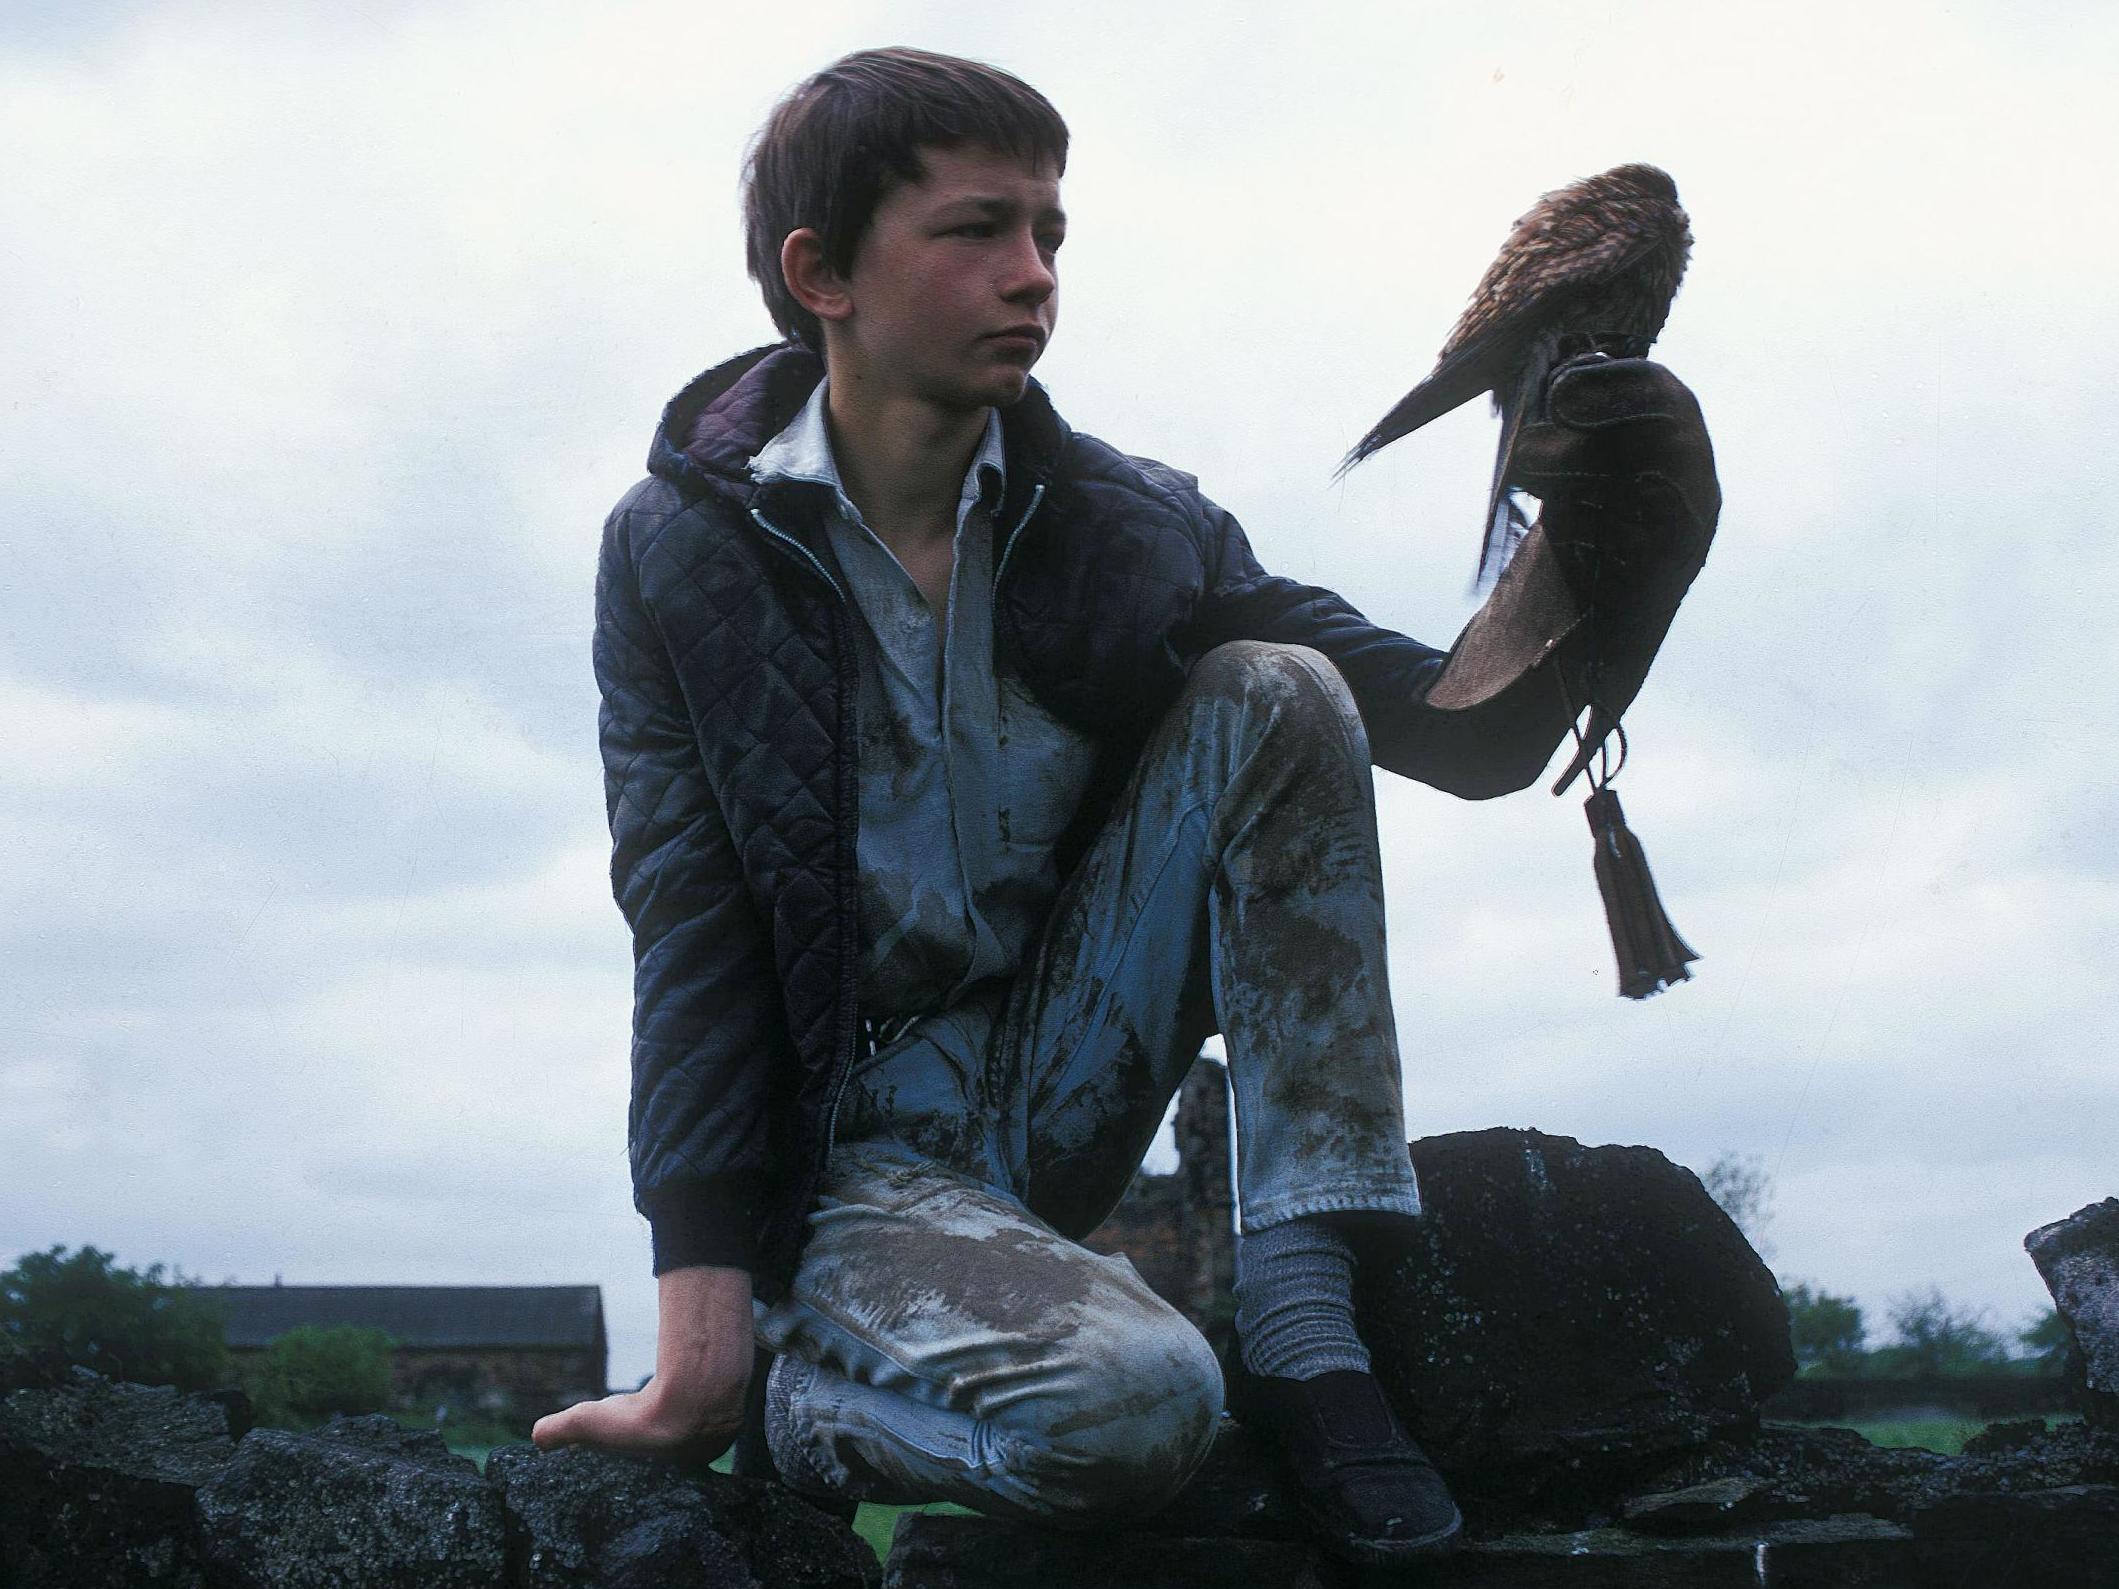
<point x="332" y="331"/>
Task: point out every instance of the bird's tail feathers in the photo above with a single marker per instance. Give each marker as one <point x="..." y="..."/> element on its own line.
<point x="1504" y="533"/>
<point x="1506" y="524"/>
<point x="1456" y="380"/>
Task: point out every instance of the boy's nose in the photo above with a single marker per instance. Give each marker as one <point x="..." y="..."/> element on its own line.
<point x="1030" y="279"/>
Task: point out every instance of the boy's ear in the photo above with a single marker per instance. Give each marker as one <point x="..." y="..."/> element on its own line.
<point x="816" y="286"/>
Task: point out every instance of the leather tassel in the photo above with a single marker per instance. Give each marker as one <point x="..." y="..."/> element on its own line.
<point x="1650" y="953"/>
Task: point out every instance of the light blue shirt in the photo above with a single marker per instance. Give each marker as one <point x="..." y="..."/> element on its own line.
<point x="966" y="781"/>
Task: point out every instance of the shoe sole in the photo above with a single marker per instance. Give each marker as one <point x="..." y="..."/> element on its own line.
<point x="1385" y="1552"/>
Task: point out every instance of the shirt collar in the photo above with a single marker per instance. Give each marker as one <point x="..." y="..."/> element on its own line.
<point x="803" y="452"/>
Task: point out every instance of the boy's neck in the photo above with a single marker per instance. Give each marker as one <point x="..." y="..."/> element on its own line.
<point x="902" y="459"/>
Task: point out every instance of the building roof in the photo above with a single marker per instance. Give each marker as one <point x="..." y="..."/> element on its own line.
<point x="563" y="1317"/>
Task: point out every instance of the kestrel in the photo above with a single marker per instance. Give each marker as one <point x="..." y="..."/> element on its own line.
<point x="1591" y="268"/>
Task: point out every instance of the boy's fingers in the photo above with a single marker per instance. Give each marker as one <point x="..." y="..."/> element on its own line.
<point x="605" y="1423"/>
<point x="560" y="1428"/>
<point x="625" y="1422"/>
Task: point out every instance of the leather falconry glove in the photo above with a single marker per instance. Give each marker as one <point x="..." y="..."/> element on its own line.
<point x="1624" y="469"/>
<point x="1619" y="457"/>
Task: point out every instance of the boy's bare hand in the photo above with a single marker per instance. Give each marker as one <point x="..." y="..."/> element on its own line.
<point x="693" y="1407"/>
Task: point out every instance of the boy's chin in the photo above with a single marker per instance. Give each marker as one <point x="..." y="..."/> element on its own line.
<point x="1004" y="387"/>
<point x="992" y="389"/>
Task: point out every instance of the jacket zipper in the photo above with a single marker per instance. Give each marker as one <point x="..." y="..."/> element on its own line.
<point x="1037" y="495"/>
<point x="801" y="551"/>
<point x="1008" y="546"/>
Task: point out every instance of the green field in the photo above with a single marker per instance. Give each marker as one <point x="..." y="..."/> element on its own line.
<point x="876" y="1523"/>
<point x="1946" y="1435"/>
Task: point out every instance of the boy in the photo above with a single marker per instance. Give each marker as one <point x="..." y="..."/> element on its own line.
<point x="964" y="775"/>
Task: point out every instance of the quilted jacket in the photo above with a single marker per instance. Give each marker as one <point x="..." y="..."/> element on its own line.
<point x="726" y="655"/>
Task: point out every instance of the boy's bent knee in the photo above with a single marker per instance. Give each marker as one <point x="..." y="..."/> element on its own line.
<point x="1139" y="1428"/>
<point x="1294" y="683"/>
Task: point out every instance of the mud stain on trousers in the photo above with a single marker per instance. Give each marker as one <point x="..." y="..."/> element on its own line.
<point x="973" y="1350"/>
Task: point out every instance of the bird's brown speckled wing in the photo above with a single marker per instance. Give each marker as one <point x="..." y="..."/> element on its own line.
<point x="1549" y="257"/>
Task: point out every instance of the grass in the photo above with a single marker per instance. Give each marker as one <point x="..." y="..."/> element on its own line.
<point x="877" y="1523"/>
<point x="1945" y="1435"/>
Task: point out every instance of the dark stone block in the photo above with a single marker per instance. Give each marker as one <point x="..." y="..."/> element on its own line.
<point x="944" y="1552"/>
<point x="1564" y="1314"/>
<point x="1999" y="1439"/>
<point x="97" y="1482"/>
<point x="384" y="1436"/>
<point x="360" y="1504"/>
<point x="236" y="1407"/>
<point x="1799" y="1473"/>
<point x="2078" y="1257"/>
<point x="1808" y="1473"/>
<point x="667" y="1550"/>
<point x="2067" y="1535"/>
<point x="1240" y="1491"/>
<point x="1824" y="1553"/>
<point x="1712" y="1507"/>
<point x="579" y="1518"/>
<point x="1847" y="1552"/>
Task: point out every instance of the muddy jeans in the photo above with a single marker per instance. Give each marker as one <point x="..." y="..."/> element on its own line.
<point x="973" y="1351"/>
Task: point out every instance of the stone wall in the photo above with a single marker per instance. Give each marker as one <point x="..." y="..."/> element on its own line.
<point x="106" y="1486"/>
<point x="1579" y="1338"/>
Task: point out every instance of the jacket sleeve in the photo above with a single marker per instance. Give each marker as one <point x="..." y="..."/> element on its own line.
<point x="1492" y="749"/>
<point x="706" y="1016"/>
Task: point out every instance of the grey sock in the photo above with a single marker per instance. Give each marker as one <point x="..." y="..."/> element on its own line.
<point x="1295" y="1301"/>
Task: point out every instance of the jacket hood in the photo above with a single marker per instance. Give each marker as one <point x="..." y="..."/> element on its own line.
<point x="712" y="429"/>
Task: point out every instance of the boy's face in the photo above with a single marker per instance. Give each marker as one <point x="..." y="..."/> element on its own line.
<point x="954" y="287"/>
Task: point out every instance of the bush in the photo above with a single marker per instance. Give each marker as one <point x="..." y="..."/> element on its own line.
<point x="1933" y="1338"/>
<point x="1826" y="1331"/>
<point x="314" y="1371"/>
<point x="61" y="1310"/>
<point x="2049" y="1341"/>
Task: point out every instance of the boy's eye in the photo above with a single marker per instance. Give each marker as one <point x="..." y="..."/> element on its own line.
<point x="973" y="229"/>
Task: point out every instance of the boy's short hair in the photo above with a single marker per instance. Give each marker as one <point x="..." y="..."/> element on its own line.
<point x="840" y="141"/>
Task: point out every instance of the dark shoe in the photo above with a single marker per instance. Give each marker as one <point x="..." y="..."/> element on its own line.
<point x="1369" y="1492"/>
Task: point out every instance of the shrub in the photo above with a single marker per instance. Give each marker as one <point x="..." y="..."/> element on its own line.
<point x="1933" y="1338"/>
<point x="2049" y="1341"/>
<point x="1826" y="1331"/>
<point x="315" y="1370"/>
<point x="61" y="1309"/>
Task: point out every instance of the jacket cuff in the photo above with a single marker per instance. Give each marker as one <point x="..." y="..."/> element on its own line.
<point x="707" y="1221"/>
